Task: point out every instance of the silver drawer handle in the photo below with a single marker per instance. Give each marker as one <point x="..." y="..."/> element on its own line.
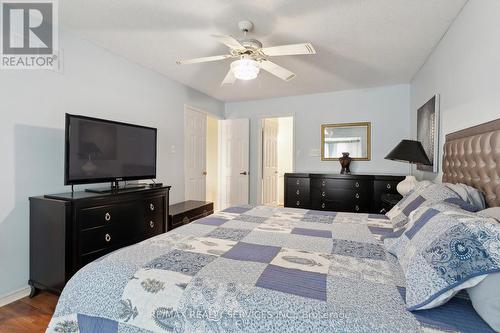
<point x="298" y="203"/>
<point x="107" y="217"/>
<point x="298" y="182"/>
<point x="151" y="224"/>
<point x="323" y="183"/>
<point x="107" y="238"/>
<point x="388" y="186"/>
<point x="357" y="184"/>
<point x="298" y="192"/>
<point x="151" y="207"/>
<point x="357" y="195"/>
<point x="323" y="205"/>
<point x="323" y="193"/>
<point x="356" y="208"/>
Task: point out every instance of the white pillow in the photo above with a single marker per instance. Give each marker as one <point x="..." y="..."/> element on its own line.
<point x="493" y="212"/>
<point x="485" y="298"/>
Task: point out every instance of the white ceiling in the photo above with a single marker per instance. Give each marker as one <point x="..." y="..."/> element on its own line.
<point x="359" y="43"/>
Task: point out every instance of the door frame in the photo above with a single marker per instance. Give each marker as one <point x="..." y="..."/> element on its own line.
<point x="260" y="151"/>
<point x="207" y="114"/>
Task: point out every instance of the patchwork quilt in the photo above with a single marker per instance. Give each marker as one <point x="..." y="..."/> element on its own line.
<point x="255" y="269"/>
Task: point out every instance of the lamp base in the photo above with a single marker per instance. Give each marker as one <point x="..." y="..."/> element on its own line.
<point x="406" y="185"/>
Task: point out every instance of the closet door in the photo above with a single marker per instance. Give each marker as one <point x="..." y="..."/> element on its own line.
<point x="195" y="137"/>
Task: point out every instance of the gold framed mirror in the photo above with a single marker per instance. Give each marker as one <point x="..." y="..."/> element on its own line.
<point x="353" y="138"/>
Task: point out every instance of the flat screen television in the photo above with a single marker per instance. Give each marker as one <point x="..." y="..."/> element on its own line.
<point x="99" y="151"/>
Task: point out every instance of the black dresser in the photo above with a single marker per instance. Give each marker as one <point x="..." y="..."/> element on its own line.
<point x="69" y="230"/>
<point x="342" y="193"/>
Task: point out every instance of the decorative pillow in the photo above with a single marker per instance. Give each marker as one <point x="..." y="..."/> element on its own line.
<point x="485" y="298"/>
<point x="444" y="249"/>
<point x="469" y="194"/>
<point x="395" y="243"/>
<point x="425" y="193"/>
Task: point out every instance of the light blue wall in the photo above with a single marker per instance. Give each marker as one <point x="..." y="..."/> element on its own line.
<point x="94" y="82"/>
<point x="464" y="69"/>
<point x="387" y="108"/>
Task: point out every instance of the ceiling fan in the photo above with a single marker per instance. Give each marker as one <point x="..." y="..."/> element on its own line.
<point x="252" y="56"/>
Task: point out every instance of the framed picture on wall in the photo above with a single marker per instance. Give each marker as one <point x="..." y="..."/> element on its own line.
<point x="428" y="132"/>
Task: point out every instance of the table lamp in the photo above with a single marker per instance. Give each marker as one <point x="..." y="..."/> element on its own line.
<point x="410" y="151"/>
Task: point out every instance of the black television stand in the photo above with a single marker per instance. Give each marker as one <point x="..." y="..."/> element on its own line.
<point x="115" y="187"/>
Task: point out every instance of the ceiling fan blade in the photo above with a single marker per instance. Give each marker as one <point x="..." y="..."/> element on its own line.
<point x="292" y="49"/>
<point x="204" y="59"/>
<point x="277" y="70"/>
<point x="230" y="42"/>
<point x="229" y="79"/>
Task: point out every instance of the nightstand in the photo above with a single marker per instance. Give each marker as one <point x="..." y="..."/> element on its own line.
<point x="389" y="200"/>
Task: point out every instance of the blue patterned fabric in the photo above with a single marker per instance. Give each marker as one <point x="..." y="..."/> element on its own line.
<point x="425" y="193"/>
<point x="442" y="250"/>
<point x="462" y="204"/>
<point x="454" y="316"/>
<point x="252" y="269"/>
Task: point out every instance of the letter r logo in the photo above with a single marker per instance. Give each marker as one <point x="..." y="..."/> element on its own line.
<point x="27" y="28"/>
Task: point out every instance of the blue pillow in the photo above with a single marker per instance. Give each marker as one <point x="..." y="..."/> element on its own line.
<point x="442" y="250"/>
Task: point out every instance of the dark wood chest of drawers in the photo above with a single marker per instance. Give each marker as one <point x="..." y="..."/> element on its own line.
<point x="188" y="211"/>
<point x="68" y="231"/>
<point x="342" y="193"/>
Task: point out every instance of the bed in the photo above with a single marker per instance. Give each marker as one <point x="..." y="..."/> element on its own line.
<point x="254" y="269"/>
<point x="264" y="269"/>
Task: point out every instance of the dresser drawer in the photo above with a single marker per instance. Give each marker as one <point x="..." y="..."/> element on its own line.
<point x="152" y="227"/>
<point x="105" y="237"/>
<point x="341" y="183"/>
<point x="342" y="206"/>
<point x="297" y="202"/>
<point x="385" y="186"/>
<point x="189" y="216"/>
<point x="89" y="257"/>
<point x="342" y="194"/>
<point x="297" y="193"/>
<point x="180" y="220"/>
<point x="154" y="212"/>
<point x="297" y="182"/>
<point x="153" y="206"/>
<point x="99" y="216"/>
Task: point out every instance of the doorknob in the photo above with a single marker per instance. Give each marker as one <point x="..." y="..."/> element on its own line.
<point x="243" y="173"/>
<point x="204" y="173"/>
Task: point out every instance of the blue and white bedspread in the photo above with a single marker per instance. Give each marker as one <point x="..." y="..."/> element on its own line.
<point x="255" y="269"/>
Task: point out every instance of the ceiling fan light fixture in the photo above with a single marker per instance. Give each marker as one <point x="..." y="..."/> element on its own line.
<point x="245" y="69"/>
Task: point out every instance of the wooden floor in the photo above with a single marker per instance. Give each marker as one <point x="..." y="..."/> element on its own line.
<point x="30" y="315"/>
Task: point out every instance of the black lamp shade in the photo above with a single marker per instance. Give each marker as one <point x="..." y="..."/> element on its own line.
<point x="409" y="151"/>
<point x="89" y="148"/>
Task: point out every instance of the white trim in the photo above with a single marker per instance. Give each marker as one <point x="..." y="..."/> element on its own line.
<point x="208" y="113"/>
<point x="259" y="149"/>
<point x="15" y="295"/>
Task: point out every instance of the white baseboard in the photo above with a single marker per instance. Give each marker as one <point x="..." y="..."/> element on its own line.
<point x="14" y="296"/>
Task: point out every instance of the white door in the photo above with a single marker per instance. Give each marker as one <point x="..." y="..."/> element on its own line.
<point x="234" y="152"/>
<point x="270" y="162"/>
<point x="195" y="136"/>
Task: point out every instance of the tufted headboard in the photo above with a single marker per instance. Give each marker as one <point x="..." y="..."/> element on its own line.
<point x="472" y="156"/>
